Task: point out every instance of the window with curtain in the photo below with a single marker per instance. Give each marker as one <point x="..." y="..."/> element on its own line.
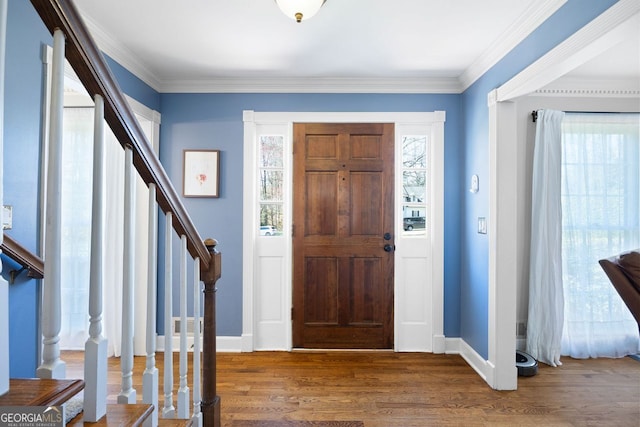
<point x="76" y="225"/>
<point x="76" y="199"/>
<point x="600" y="218"/>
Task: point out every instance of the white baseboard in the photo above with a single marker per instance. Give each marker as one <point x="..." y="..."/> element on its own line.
<point x="223" y="344"/>
<point x="439" y="344"/>
<point x="481" y="366"/>
<point x="244" y="344"/>
<point x="452" y="345"/>
<point x="229" y="344"/>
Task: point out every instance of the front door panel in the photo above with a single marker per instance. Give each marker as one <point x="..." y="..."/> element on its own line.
<point x="343" y="207"/>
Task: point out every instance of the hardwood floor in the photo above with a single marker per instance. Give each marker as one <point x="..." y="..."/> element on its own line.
<point x="386" y="389"/>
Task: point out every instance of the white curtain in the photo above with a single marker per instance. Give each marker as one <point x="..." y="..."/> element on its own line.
<point x="76" y="192"/>
<point x="601" y="217"/>
<point x="546" y="300"/>
<point x="76" y="225"/>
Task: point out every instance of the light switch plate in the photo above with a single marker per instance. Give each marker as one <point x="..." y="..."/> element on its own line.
<point x="7" y="217"/>
<point x="482" y="225"/>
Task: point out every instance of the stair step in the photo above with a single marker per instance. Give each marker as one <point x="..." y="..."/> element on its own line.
<point x="166" y="422"/>
<point x="119" y="415"/>
<point x="40" y="392"/>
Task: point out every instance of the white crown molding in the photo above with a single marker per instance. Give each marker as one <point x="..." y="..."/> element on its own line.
<point x="588" y="93"/>
<point x="314" y="85"/>
<point x="127" y="59"/>
<point x="591" y="88"/>
<point x="121" y="54"/>
<point x="532" y="18"/>
<point x="613" y="26"/>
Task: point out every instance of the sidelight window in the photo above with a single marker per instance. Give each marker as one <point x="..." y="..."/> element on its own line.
<point x="271" y="182"/>
<point x="414" y="184"/>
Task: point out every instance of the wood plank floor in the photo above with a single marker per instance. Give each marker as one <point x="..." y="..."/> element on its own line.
<point x="386" y="389"/>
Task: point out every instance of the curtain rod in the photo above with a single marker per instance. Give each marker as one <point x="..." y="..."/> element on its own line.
<point x="534" y="113"/>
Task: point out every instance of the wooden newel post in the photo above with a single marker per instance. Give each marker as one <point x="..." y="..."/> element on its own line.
<point x="210" y="401"/>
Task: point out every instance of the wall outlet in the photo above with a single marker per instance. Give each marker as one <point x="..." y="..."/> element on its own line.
<point x="521" y="329"/>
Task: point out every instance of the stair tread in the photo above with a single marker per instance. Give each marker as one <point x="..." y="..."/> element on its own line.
<point x="40" y="392"/>
<point x="166" y="422"/>
<point x="119" y="415"/>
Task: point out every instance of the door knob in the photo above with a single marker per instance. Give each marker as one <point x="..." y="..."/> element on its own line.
<point x="389" y="248"/>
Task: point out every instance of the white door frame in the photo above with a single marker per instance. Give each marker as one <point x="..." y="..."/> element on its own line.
<point x="267" y="262"/>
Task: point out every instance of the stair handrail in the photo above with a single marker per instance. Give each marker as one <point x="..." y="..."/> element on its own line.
<point x="95" y="75"/>
<point x="23" y="256"/>
<point x="89" y="65"/>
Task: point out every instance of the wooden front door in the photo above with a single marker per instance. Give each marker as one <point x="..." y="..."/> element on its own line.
<point x="343" y="199"/>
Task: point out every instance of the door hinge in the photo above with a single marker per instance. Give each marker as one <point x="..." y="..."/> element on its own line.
<point x="292" y="313"/>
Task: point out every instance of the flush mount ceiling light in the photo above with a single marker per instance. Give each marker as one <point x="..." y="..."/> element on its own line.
<point x="300" y="10"/>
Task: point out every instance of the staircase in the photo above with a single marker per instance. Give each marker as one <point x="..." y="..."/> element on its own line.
<point x="197" y="402"/>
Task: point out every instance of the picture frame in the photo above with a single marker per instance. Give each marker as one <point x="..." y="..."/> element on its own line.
<point x="201" y="173"/>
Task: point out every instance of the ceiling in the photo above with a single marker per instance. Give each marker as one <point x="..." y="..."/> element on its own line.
<point x="363" y="45"/>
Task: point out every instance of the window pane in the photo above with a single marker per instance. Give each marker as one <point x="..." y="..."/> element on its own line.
<point x="414" y="152"/>
<point x="600" y="193"/>
<point x="414" y="186"/>
<point x="271" y="151"/>
<point x="271" y="185"/>
<point x="271" y="219"/>
<point x="414" y="218"/>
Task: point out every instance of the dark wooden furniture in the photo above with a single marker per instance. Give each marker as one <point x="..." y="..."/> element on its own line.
<point x="624" y="272"/>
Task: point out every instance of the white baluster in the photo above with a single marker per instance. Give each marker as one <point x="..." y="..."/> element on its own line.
<point x="183" y="390"/>
<point x="150" y="375"/>
<point x="95" y="349"/>
<point x="197" y="296"/>
<point x="168" y="411"/>
<point x="4" y="286"/>
<point x="127" y="392"/>
<point x="52" y="366"/>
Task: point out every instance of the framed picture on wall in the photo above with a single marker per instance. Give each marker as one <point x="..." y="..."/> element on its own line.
<point x="201" y="173"/>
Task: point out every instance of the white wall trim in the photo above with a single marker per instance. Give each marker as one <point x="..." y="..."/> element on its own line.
<point x="120" y="53"/>
<point x="223" y="344"/>
<point x="460" y="347"/>
<point x="481" y="366"/>
<point x="434" y="313"/>
<point x="537" y="13"/>
<point x="531" y="19"/>
<point x="617" y="24"/>
<point x="503" y="240"/>
<point x="314" y="85"/>
<point x="591" y="88"/>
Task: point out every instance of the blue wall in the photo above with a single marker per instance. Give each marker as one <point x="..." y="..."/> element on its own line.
<point x="23" y="90"/>
<point x="475" y="250"/>
<point x="214" y="121"/>
<point x="133" y="86"/>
